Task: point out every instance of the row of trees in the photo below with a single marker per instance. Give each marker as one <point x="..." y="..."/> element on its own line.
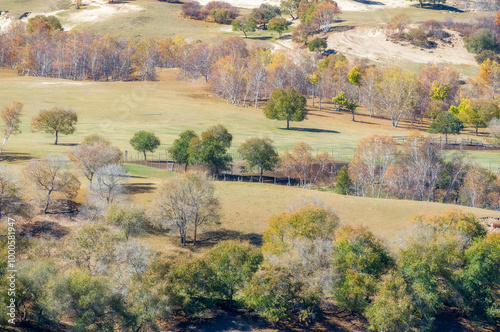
<point x="100" y="277"/>
<point x="417" y="170"/>
<point x="243" y="76"/>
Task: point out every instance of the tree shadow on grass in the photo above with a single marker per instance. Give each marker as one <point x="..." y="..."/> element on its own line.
<point x="211" y="238"/>
<point x="261" y="38"/>
<point x="140" y="188"/>
<point x="68" y="144"/>
<point x="312" y="130"/>
<point x="14" y="156"/>
<point x="40" y="228"/>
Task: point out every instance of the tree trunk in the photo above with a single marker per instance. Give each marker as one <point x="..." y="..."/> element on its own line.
<point x="261" y="171"/>
<point x="446" y="138"/>
<point x="353" y="116"/>
<point x="477" y="130"/>
<point x="145" y="158"/>
<point x="287" y="124"/>
<point x="57" y="136"/>
<point x="195" y="232"/>
<point x="186" y="168"/>
<point x="47" y="203"/>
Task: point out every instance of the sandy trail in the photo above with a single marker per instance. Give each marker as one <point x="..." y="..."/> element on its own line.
<point x="372" y="43"/>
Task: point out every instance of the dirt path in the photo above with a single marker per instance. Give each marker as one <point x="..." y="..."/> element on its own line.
<point x="372" y="43"/>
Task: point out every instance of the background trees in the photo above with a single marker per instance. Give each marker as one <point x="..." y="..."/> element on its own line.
<point x="144" y="141"/>
<point x="187" y="203"/>
<point x="11" y="119"/>
<point x="54" y="121"/>
<point x="259" y="153"/>
<point x="286" y="105"/>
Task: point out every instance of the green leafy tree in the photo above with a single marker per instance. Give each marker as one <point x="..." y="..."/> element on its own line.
<point x="245" y="24"/>
<point x="479" y="281"/>
<point x="446" y="123"/>
<point x="54" y="121"/>
<point x="317" y="45"/>
<point x="130" y="219"/>
<point x="310" y="222"/>
<point x="211" y="149"/>
<point x="42" y="22"/>
<point x="144" y="141"/>
<point x="344" y="183"/>
<point x="215" y="278"/>
<point x="477" y="113"/>
<point x="276" y="295"/>
<point x="179" y="151"/>
<point x="259" y="153"/>
<point x="480" y="40"/>
<point x="289" y="7"/>
<point x="439" y="91"/>
<point x="346" y="103"/>
<point x="265" y="13"/>
<point x="289" y="105"/>
<point x="354" y="75"/>
<point x="90" y="301"/>
<point x="359" y="259"/>
<point x="278" y="24"/>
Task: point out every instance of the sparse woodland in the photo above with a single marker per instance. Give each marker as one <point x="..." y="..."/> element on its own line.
<point x="101" y="276"/>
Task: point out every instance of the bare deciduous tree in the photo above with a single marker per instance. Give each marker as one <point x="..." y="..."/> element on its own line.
<point x="48" y="175"/>
<point x="108" y="186"/>
<point x="9" y="188"/>
<point x="11" y="118"/>
<point x="91" y="157"/>
<point x="301" y="164"/>
<point x="188" y="202"/>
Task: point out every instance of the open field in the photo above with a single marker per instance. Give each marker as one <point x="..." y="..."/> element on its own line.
<point x="168" y="107"/>
<point x="385" y="217"/>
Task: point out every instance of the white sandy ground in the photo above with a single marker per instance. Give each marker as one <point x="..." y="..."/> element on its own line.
<point x="372" y="43"/>
<point x="92" y="11"/>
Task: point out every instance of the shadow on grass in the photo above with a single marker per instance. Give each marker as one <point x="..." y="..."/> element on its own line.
<point x="312" y="130"/>
<point x="211" y="238"/>
<point x="15" y="156"/>
<point x="369" y="2"/>
<point x="261" y="38"/>
<point x="439" y="7"/>
<point x="40" y="228"/>
<point x="140" y="188"/>
<point x="68" y="144"/>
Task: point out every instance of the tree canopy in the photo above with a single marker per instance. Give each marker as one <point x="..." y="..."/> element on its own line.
<point x="144" y="141"/>
<point x="259" y="153"/>
<point x="288" y="105"/>
<point x="54" y="121"/>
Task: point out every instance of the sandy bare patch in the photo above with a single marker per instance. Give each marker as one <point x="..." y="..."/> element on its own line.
<point x="93" y="11"/>
<point x="372" y="43"/>
<point x="100" y="10"/>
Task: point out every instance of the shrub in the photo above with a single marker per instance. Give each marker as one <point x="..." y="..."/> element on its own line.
<point x="192" y="9"/>
<point x="222" y="15"/>
<point x="481" y="40"/>
<point x="485" y="55"/>
<point x="317" y="44"/>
